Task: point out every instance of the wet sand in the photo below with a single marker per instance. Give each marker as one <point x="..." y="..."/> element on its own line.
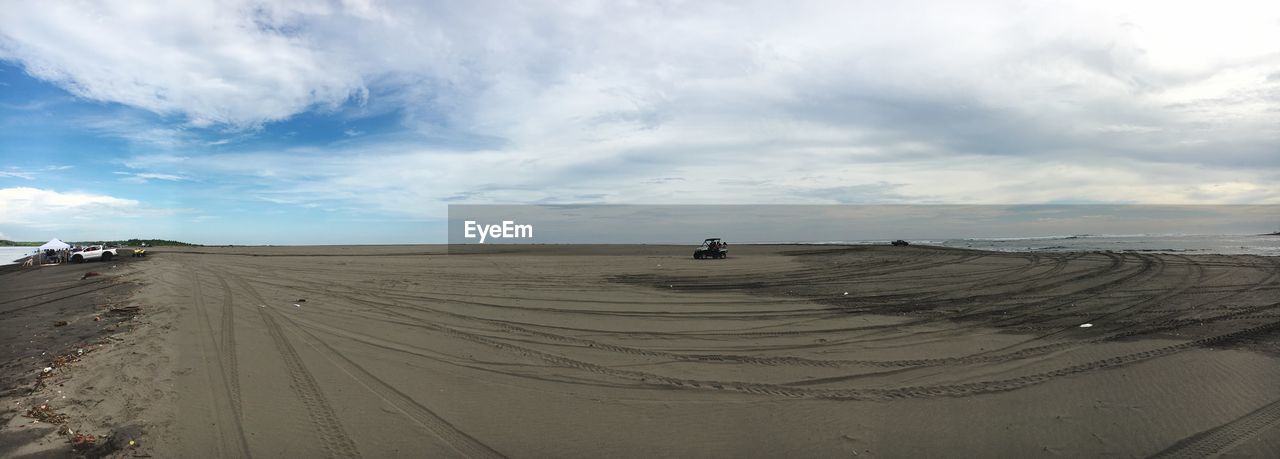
<point x="637" y="351"/>
<point x="56" y="317"/>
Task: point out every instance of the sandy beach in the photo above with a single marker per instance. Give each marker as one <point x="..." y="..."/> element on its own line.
<point x="341" y="229"/>
<point x="641" y="351"/>
<point x="75" y="342"/>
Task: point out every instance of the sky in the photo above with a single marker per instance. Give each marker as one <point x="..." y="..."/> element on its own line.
<point x="306" y="122"/>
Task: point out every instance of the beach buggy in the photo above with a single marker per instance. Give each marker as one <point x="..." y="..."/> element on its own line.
<point x="711" y="248"/>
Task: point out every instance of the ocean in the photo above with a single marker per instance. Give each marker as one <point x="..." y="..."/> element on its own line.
<point x="10" y="255"/>
<point x="1184" y="244"/>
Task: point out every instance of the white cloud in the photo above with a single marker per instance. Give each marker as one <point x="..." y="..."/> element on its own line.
<point x="586" y="63"/>
<point x="744" y="101"/>
<point x="135" y="130"/>
<point x="144" y="177"/>
<point x="30" y="173"/>
<point x="38" y="214"/>
<point x="38" y="207"/>
<point x="215" y="62"/>
<point x="25" y="175"/>
<point x="407" y="180"/>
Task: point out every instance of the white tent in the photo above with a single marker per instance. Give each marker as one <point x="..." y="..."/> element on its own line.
<point x="55" y="244"/>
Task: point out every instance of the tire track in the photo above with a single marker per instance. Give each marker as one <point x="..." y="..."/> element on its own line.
<point x="953" y="390"/>
<point x="333" y="438"/>
<point x="1249" y="313"/>
<point x="457" y="439"/>
<point x="1149" y="267"/>
<point x="231" y="436"/>
<point x="45" y="291"/>
<point x="1221" y="438"/>
<point x="509" y="327"/>
<point x="229" y="346"/>
<point x="108" y="285"/>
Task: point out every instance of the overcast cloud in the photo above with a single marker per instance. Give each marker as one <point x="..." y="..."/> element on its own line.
<point x="675" y="102"/>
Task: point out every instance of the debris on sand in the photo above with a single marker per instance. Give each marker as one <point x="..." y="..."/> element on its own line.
<point x="125" y="311"/>
<point x="104" y="445"/>
<point x="90" y="274"/>
<point x="60" y="323"/>
<point x="89" y="445"/>
<point x="58" y="362"/>
<point x="82" y="442"/>
<point x="45" y="413"/>
<point x="45" y="374"/>
<point x="64" y="359"/>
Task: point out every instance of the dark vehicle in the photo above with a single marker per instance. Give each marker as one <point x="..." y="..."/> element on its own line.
<point x="900" y="242"/>
<point x="711" y="248"/>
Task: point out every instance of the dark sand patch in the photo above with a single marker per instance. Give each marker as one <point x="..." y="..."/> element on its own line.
<point x="56" y="318"/>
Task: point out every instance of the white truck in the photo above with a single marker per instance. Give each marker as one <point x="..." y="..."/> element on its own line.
<point x="93" y="252"/>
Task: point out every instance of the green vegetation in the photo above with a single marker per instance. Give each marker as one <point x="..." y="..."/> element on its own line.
<point x="8" y="243"/>
<point x="151" y="243"/>
<point x="126" y="243"/>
